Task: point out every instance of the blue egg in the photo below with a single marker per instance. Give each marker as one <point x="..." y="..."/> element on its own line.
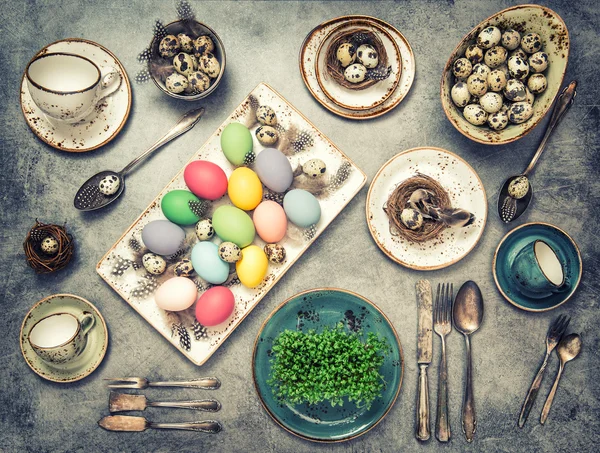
<point x="301" y="208"/>
<point x="207" y="263"/>
<point x="163" y="237"/>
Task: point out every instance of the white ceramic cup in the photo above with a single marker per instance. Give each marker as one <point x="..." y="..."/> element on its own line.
<point x="68" y="87"/>
<point x="61" y="337"/>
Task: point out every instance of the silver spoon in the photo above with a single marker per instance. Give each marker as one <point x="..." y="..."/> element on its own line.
<point x="467" y="314"/>
<point x="511" y="207"/>
<point x="89" y="197"/>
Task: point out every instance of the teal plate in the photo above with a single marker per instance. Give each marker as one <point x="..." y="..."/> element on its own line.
<point x="518" y="238"/>
<point x="316" y="309"/>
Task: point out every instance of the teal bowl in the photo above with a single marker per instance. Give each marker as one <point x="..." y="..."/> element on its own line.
<point x="316" y="309"/>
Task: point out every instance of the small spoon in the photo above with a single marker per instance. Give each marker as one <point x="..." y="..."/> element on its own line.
<point x="510" y="208"/>
<point x="468" y="314"/>
<point x="89" y="197"/>
<point x="568" y="348"/>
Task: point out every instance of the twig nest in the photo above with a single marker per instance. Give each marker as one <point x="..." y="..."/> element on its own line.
<point x="48" y="248"/>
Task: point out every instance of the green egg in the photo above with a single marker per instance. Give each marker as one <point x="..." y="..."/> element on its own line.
<point x="236" y="143"/>
<point x="233" y="225"/>
<point x="176" y="207"/>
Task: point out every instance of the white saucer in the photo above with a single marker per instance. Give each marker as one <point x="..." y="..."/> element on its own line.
<point x="102" y="125"/>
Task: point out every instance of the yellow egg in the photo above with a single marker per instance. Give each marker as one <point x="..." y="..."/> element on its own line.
<point x="245" y="189"/>
<point x="252" y="268"/>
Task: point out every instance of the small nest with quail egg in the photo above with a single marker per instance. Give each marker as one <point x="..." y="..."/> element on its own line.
<point x="48" y="248"/>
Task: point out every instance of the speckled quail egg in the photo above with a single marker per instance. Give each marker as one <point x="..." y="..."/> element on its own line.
<point x="518" y="53"/>
<point x="529" y="96"/>
<point x="531" y="43"/>
<point x="498" y="121"/>
<point x="275" y="253"/>
<point x="186" y="42"/>
<point x="518" y="187"/>
<point x="519" y="112"/>
<point x="475" y="114"/>
<point x="462" y="68"/>
<point x="496" y="80"/>
<point x="202" y="45"/>
<point x="49" y="245"/>
<point x="538" y="62"/>
<point x="195" y="61"/>
<point x="346" y="54"/>
<point x="109" y="185"/>
<point x="154" y="264"/>
<point x="489" y="37"/>
<point x="495" y="56"/>
<point x="460" y="94"/>
<point x="474" y="54"/>
<point x="267" y="135"/>
<point x="411" y="218"/>
<point x="184" y="268"/>
<point x="511" y="39"/>
<point x="515" y="90"/>
<point x="491" y="102"/>
<point x="537" y="83"/>
<point x="355" y="73"/>
<point x="176" y="83"/>
<point x="230" y="252"/>
<point x="504" y="69"/>
<point x="368" y="56"/>
<point x="209" y="64"/>
<point x="169" y="46"/>
<point x="266" y="115"/>
<point x="474" y="100"/>
<point x="481" y="69"/>
<point x="477" y="85"/>
<point x="314" y="168"/>
<point x="183" y="64"/>
<point x="205" y="230"/>
<point x="198" y="82"/>
<point x="505" y="106"/>
<point x="518" y="67"/>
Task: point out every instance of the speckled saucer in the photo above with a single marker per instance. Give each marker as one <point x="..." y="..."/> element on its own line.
<point x="87" y="361"/>
<point x="99" y="128"/>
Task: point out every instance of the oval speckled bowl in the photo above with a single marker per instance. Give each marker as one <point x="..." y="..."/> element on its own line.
<point x="556" y="43"/>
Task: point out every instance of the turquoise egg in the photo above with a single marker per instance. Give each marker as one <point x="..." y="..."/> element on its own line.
<point x="301" y="208"/>
<point x="233" y="225"/>
<point x="207" y="264"/>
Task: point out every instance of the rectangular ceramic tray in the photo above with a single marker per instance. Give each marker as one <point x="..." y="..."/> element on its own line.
<point x="300" y="141"/>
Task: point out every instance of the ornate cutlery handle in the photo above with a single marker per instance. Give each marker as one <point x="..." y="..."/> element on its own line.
<point x="207" y="383"/>
<point x="548" y="404"/>
<point x="442" y="427"/>
<point x="199" y="405"/>
<point x="469" y="423"/>
<point x="533" y="392"/>
<point x="207" y="426"/>
<point x="423" y="431"/>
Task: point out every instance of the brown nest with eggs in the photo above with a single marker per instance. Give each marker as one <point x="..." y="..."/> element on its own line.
<point x="40" y="261"/>
<point x="335" y="69"/>
<point x="398" y="201"/>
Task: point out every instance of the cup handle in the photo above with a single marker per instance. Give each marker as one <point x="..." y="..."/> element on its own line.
<point x="87" y="321"/>
<point x="110" y="81"/>
<point x="565" y="286"/>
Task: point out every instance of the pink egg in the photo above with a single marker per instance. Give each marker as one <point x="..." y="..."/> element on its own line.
<point x="176" y="294"/>
<point x="270" y="221"/>
<point x="215" y="306"/>
<point x="205" y="179"/>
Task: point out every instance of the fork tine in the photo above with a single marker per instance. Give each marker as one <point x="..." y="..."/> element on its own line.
<point x="449" y="307"/>
<point x="436" y="316"/>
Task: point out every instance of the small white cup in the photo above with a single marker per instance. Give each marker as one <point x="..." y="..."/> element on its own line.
<point x="68" y="87"/>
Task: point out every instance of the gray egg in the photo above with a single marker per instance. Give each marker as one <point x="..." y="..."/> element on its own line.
<point x="515" y="90"/>
<point x="520" y="112"/>
<point x="163" y="237"/>
<point x="205" y="230"/>
<point x="518" y="187"/>
<point x="491" y="102"/>
<point x="184" y="268"/>
<point x="266" y="115"/>
<point x="495" y="56"/>
<point x="481" y="69"/>
<point x="511" y="39"/>
<point x="154" y="264"/>
<point x="198" y="82"/>
<point x="368" y="56"/>
<point x="186" y="42"/>
<point x="477" y="85"/>
<point x="267" y="135"/>
<point x="49" y="245"/>
<point x="460" y="94"/>
<point x="531" y="43"/>
<point x="498" y="121"/>
<point x="109" y="185"/>
<point x="169" y="46"/>
<point x="538" y="62"/>
<point x="230" y="252"/>
<point x="496" y="80"/>
<point x="462" y="68"/>
<point x="314" y="168"/>
<point x="411" y="218"/>
<point x="203" y="45"/>
<point x="274" y="170"/>
<point x="176" y="83"/>
<point x="209" y="64"/>
<point x="275" y="253"/>
<point x="518" y="67"/>
<point x="346" y="54"/>
<point x="183" y="64"/>
<point x="489" y="37"/>
<point x="355" y="73"/>
<point x="475" y="114"/>
<point x="537" y="83"/>
<point x="474" y="54"/>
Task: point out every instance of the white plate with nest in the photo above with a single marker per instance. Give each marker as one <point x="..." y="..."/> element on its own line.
<point x="464" y="189"/>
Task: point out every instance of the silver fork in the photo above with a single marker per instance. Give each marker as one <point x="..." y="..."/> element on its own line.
<point x="555" y="332"/>
<point x="207" y="383"/>
<point x="442" y="325"/>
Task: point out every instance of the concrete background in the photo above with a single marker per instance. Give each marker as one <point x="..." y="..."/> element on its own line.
<point x="262" y="41"/>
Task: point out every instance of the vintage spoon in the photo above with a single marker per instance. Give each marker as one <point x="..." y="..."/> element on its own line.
<point x="89" y="197"/>
<point x="509" y="207"/>
<point x="568" y="348"/>
<point x="468" y="314"/>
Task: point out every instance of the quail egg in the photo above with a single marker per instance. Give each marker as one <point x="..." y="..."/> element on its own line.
<point x="411" y="218"/>
<point x="185" y="42"/>
<point x="474" y="100"/>
<point x="267" y="135"/>
<point x="538" y="62"/>
<point x="496" y="80"/>
<point x="518" y="187"/>
<point x="230" y="252"/>
<point x="205" y="230"/>
<point x="183" y="64"/>
<point x="49" y="245"/>
<point x="460" y="94"/>
<point x="462" y="68"/>
<point x="537" y="83"/>
<point x="368" y="56"/>
<point x="495" y="56"/>
<point x="109" y="185"/>
<point x="515" y="90"/>
<point x="518" y="67"/>
<point x="355" y="73"/>
<point x="511" y="39"/>
<point x="498" y="121"/>
<point x="475" y="114"/>
<point x="489" y="37"/>
<point x="266" y="115"/>
<point x="194" y="61"/>
<point x="169" y="46"/>
<point x="202" y="45"/>
<point x="504" y="68"/>
<point x="176" y="83"/>
<point x="275" y="253"/>
<point x="519" y="112"/>
<point x="154" y="264"/>
<point x="505" y="106"/>
<point x="477" y="85"/>
<point x="518" y="53"/>
<point x="491" y="102"/>
<point x="198" y="82"/>
<point x="209" y="64"/>
<point x="346" y="54"/>
<point x="531" y="43"/>
<point x="474" y="54"/>
<point x="529" y="96"/>
<point x="314" y="168"/>
<point x="481" y="69"/>
<point x="184" y="268"/>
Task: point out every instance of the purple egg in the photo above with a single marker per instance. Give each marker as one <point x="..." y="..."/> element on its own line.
<point x="274" y="169"/>
<point x="163" y="237"/>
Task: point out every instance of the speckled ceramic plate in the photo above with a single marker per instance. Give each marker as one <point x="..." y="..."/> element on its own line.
<point x="87" y="361"/>
<point x="511" y="245"/>
<point x="462" y="185"/>
<point x="308" y="60"/>
<point x="122" y="266"/>
<point x="316" y="309"/>
<point x="359" y="99"/>
<point x="102" y="125"/>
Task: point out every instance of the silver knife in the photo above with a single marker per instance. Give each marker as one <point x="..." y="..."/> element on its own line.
<point x="424" y="354"/>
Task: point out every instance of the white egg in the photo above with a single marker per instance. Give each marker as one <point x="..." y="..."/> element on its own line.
<point x="477" y="85"/>
<point x="498" y="121"/>
<point x="474" y="54"/>
<point x="515" y="91"/>
<point x="537" y="83"/>
<point x="518" y="67"/>
<point x="460" y="94"/>
<point x="475" y="114"/>
<point x="346" y="54"/>
<point x="511" y="39"/>
<point x="495" y="56"/>
<point x="531" y="43"/>
<point x="496" y="80"/>
<point x="489" y="37"/>
<point x="491" y="102"/>
<point x="520" y="112"/>
<point x="355" y="73"/>
<point x="538" y="62"/>
<point x="368" y="56"/>
<point x="462" y="68"/>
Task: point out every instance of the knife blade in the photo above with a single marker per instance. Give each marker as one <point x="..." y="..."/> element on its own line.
<point x="424" y="355"/>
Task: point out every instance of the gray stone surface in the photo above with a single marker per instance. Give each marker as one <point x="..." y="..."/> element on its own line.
<point x="262" y="41"/>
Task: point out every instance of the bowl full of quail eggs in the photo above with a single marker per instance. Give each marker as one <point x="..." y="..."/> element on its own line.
<point x="188" y="62"/>
<point x="504" y="75"/>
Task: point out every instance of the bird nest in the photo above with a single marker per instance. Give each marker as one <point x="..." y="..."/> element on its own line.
<point x="40" y="261"/>
<point x="398" y="201"/>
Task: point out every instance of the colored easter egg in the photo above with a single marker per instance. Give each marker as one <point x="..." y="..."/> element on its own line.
<point x="163" y="237"/>
<point x="205" y="179"/>
<point x="207" y="264"/>
<point x="176" y="294"/>
<point x="274" y="169"/>
<point x="176" y="207"/>
<point x="270" y="221"/>
<point x="252" y="268"/>
<point x="236" y="143"/>
<point x="301" y="208"/>
<point x="244" y="189"/>
<point x="214" y="306"/>
<point x="233" y="225"/>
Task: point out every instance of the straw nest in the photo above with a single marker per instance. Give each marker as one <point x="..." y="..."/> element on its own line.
<point x="42" y="262"/>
